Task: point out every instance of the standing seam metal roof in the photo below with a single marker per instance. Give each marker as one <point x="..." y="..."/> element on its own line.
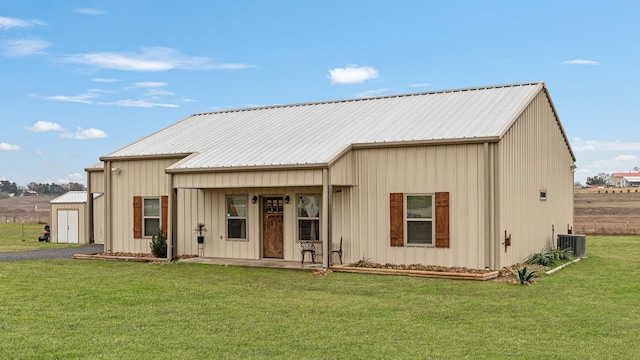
<point x="314" y="133"/>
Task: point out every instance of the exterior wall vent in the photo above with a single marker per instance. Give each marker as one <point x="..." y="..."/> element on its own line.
<point x="575" y="242"/>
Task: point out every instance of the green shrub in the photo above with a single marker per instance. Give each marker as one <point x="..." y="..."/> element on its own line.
<point x="159" y="245"/>
<point x="547" y="256"/>
<point x="524" y="276"/>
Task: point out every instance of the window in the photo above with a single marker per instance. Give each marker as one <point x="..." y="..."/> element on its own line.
<point x="543" y="195"/>
<point x="151" y="216"/>
<point x="237" y="217"/>
<point x="419" y="219"/>
<point x="309" y="216"/>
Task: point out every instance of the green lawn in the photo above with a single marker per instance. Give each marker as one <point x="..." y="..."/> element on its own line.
<point x="119" y="310"/>
<point x="23" y="237"/>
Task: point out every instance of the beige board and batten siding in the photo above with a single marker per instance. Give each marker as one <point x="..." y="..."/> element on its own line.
<point x="455" y="168"/>
<point x="80" y="208"/>
<point x="208" y="206"/>
<point x="244" y="178"/>
<point x="95" y="185"/>
<point x="534" y="156"/>
<point x="143" y="177"/>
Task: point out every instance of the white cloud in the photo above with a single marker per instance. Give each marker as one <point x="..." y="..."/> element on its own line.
<point x="8" y="147"/>
<point x="352" y="74"/>
<point x="83" y="98"/>
<point x="8" y="23"/>
<point x="103" y="80"/>
<point x="85" y="134"/>
<point x="579" y="145"/>
<point x="87" y="11"/>
<point x="157" y="92"/>
<point x="72" y="178"/>
<point x="142" y="104"/>
<point x="25" y="47"/>
<point x="44" y="126"/>
<point x="580" y="62"/>
<point x="151" y="59"/>
<point x="149" y="84"/>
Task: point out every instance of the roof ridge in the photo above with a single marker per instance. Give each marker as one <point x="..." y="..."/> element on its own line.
<point x="337" y="101"/>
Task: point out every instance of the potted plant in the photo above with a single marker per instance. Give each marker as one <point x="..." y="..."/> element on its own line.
<point x="200" y="229"/>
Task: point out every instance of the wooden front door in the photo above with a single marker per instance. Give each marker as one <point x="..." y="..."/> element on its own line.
<point x="272" y="227"/>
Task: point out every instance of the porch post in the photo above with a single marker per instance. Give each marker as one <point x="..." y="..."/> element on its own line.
<point x="324" y="228"/>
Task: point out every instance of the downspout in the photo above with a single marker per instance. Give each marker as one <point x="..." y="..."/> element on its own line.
<point x="108" y="243"/>
<point x="325" y="215"/>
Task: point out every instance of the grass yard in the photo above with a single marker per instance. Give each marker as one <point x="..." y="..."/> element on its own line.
<point x="119" y="310"/>
<point x="12" y="235"/>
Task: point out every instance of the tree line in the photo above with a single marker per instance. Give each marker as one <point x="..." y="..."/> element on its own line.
<point x="8" y="188"/>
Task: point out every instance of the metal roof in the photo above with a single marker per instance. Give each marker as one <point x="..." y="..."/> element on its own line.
<point x="314" y="133"/>
<point x="73" y="197"/>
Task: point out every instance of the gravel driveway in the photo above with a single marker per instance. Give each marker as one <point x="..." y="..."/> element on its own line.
<point x="61" y="253"/>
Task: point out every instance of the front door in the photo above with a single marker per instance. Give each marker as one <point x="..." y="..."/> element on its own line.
<point x="272" y="228"/>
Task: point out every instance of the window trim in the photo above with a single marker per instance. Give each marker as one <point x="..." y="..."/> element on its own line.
<point x="228" y="217"/>
<point x="319" y="217"/>
<point x="407" y="219"/>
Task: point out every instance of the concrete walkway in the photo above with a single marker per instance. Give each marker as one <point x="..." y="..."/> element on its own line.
<point x="60" y="253"/>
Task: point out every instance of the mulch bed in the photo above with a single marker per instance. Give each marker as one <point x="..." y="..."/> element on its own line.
<point x="432" y="271"/>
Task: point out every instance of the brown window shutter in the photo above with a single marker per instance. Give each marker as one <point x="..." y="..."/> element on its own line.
<point x="396" y="202"/>
<point x="442" y="219"/>
<point x="137" y="217"/>
<point x="164" y="205"/>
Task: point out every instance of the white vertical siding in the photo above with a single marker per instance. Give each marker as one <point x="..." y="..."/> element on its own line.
<point x="533" y="156"/>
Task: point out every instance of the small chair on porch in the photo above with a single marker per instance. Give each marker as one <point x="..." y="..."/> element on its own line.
<point x="339" y="251"/>
<point x="308" y="246"/>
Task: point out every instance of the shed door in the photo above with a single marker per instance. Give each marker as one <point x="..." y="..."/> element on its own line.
<point x="68" y="226"/>
<point x="272" y="227"/>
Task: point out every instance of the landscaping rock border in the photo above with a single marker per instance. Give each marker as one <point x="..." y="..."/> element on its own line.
<point x="471" y="274"/>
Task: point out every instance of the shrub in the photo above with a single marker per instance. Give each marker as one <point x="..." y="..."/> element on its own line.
<point x="547" y="256"/>
<point x="159" y="245"/>
<point x="524" y="276"/>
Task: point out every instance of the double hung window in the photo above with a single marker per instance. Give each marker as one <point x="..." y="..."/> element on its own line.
<point x="237" y="217"/>
<point x="309" y="216"/>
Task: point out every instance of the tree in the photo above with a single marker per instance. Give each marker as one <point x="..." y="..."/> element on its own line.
<point x="9" y="187"/>
<point x="600" y="179"/>
<point x="636" y="169"/>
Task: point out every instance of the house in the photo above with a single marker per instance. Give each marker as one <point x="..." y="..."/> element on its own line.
<point x="628" y="179"/>
<point x="478" y="177"/>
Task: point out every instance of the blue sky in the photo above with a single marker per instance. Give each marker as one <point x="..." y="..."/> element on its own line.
<point x="83" y="78"/>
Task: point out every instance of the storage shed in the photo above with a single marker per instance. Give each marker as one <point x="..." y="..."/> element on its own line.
<point x="69" y="218"/>
<point x="477" y="177"/>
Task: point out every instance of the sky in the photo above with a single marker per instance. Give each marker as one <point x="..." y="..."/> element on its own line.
<point x="81" y="79"/>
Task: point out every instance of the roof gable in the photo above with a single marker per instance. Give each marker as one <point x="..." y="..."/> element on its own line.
<point x="314" y="133"/>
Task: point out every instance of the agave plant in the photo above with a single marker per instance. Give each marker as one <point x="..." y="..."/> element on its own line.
<point x="544" y="258"/>
<point x="524" y="275"/>
<point x="562" y="254"/>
